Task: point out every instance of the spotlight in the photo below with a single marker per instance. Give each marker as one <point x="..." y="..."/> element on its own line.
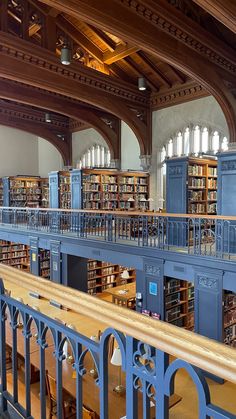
<point x="142" y="85"/>
<point x="65" y="55"/>
<point x="48" y="117"/>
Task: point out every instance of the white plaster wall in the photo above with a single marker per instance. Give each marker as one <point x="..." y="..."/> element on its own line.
<point x="130" y="150"/>
<point x="82" y="140"/>
<point x="49" y="158"/>
<point x="19" y="152"/>
<point x="168" y="121"/>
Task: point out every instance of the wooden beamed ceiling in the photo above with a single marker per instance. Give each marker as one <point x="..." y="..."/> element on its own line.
<point x="178" y="33"/>
<point x="180" y="48"/>
<point x="94" y="47"/>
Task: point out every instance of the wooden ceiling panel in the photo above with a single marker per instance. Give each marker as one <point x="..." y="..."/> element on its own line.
<point x="107" y="53"/>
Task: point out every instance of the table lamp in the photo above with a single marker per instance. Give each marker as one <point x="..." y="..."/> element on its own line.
<point x="20" y="321"/>
<point x="93" y="372"/>
<point x="125" y="274"/>
<point x="117" y="361"/>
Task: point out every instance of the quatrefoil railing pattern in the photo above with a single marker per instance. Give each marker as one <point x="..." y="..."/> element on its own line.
<point x="150" y="376"/>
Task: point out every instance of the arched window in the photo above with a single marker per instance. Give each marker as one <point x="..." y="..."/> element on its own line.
<point x="170" y="148"/>
<point x="215" y="142"/>
<point x="224" y="145"/>
<point x="205" y="140"/>
<point x="196" y="140"/>
<point x="95" y="156"/>
<point x="186" y="142"/>
<point x="179" y="144"/>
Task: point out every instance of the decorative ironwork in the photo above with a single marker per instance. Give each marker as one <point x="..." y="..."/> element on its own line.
<point x="206" y="236"/>
<point x="147" y="368"/>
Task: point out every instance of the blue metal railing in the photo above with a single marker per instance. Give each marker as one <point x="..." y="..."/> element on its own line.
<point x="212" y="236"/>
<point x="149" y="373"/>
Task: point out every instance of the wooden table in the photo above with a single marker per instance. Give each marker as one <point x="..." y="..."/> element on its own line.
<point x="124" y="295"/>
<point x="87" y="327"/>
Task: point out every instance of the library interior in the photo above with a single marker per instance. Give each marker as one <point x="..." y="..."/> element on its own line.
<point x="118" y="209"/>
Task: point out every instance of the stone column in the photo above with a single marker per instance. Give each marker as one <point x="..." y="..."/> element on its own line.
<point x="145" y="162"/>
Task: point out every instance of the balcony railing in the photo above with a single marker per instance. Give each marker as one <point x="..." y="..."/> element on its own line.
<point x="145" y="345"/>
<point x="212" y="236"/>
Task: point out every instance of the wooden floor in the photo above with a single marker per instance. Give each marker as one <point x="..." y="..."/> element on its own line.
<point x="222" y="395"/>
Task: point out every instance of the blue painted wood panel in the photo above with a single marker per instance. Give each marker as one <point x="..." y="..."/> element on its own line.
<point x="76" y="189"/>
<point x="54" y="190"/>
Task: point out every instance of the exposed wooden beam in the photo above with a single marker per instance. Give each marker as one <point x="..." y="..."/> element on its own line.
<point x="178" y="74"/>
<point x="53" y="12"/>
<point x="79" y="38"/>
<point x="159" y="75"/>
<point x="102" y="36"/>
<point x="119" y="72"/>
<point x="140" y="73"/>
<point x="33" y="29"/>
<point x="222" y="10"/>
<point x="205" y="58"/>
<point x="119" y="53"/>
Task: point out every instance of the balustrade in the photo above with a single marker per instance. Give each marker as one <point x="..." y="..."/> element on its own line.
<point x="212" y="236"/>
<point x="145" y="345"/>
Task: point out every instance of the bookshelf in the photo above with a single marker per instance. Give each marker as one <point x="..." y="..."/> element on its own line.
<point x="115" y="190"/>
<point x="179" y="303"/>
<point x="229" y="305"/>
<point x="191" y="186"/>
<point x="14" y="254"/>
<point x="22" y="191"/>
<point x="44" y="263"/>
<point x="202" y="186"/>
<point x="103" y="275"/>
<point x="98" y="189"/>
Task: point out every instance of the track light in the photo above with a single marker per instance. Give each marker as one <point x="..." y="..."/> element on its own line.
<point x="66" y="55"/>
<point x="142" y="85"/>
<point x="48" y="117"/>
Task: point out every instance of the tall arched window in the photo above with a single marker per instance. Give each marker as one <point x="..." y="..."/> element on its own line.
<point x="196" y="140"/>
<point x="224" y="145"/>
<point x="95" y="156"/>
<point x="186" y="141"/>
<point x="215" y="142"/>
<point x="179" y="144"/>
<point x="205" y="140"/>
<point x="170" y="148"/>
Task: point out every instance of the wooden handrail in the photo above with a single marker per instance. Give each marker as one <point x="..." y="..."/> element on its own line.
<point x="128" y="213"/>
<point x="200" y="351"/>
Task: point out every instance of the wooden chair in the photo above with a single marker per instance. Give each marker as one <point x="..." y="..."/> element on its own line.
<point x="89" y="414"/>
<point x="8" y="358"/>
<point x="68" y="405"/>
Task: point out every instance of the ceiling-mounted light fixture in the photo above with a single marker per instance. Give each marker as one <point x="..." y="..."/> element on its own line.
<point x="66" y="55"/>
<point x="48" y="117"/>
<point x="142" y="85"/>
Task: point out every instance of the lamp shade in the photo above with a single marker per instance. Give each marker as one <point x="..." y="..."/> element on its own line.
<point x="116" y="358"/>
<point x="131" y="199"/>
<point x="125" y="274"/>
<point x="142" y="85"/>
<point x="66" y="55"/>
<point x="150" y="200"/>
